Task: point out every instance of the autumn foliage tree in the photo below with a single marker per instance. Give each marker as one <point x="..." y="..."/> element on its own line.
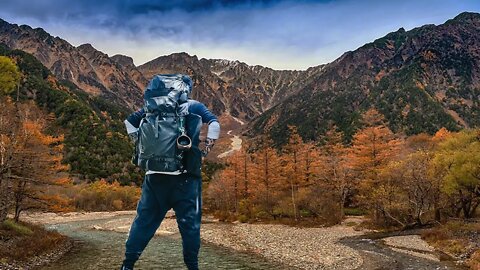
<point x="37" y="161"/>
<point x="9" y="131"/>
<point x="372" y="148"/>
<point x="266" y="174"/>
<point x="408" y="195"/>
<point x="9" y="75"/>
<point x="29" y="159"/>
<point x="335" y="174"/>
<point x="224" y="191"/>
<point x="401" y="182"/>
<point x="458" y="163"/>
<point x="9" y="138"/>
<point x="292" y="167"/>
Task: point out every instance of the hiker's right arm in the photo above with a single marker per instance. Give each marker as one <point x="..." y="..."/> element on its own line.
<point x="133" y="121"/>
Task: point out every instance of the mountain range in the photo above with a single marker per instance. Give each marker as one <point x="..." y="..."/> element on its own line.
<point x="228" y="87"/>
<point x="420" y="80"/>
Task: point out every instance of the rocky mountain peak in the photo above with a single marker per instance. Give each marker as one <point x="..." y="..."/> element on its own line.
<point x="89" y="69"/>
<point x="87" y="48"/>
<point x="123" y="60"/>
<point x="183" y="56"/>
<point x="2" y="22"/>
<point x="467" y="17"/>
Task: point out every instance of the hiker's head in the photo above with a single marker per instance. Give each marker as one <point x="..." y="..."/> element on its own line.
<point x="162" y="84"/>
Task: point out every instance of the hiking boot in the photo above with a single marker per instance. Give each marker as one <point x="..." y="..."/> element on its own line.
<point x="126" y="268"/>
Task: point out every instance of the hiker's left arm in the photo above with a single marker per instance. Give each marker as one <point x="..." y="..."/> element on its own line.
<point x="208" y="117"/>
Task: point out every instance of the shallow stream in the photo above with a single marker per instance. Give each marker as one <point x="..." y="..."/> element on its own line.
<point x="103" y="250"/>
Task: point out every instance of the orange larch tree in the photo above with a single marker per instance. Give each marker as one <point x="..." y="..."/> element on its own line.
<point x="265" y="174"/>
<point x="372" y="148"/>
<point x="37" y="161"/>
<point x="292" y="166"/>
<point x="335" y="174"/>
<point x="224" y="191"/>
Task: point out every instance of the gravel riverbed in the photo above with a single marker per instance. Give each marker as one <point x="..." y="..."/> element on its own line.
<point x="304" y="248"/>
<point x="301" y="248"/>
<point x="297" y="248"/>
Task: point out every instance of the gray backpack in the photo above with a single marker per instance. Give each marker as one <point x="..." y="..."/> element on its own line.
<point x="162" y="139"/>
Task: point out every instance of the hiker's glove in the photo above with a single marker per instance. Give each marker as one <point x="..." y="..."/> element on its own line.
<point x="209" y="143"/>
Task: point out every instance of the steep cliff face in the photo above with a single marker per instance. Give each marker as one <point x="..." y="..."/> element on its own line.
<point x="126" y="62"/>
<point x="91" y="70"/>
<point x="207" y="88"/>
<point x="233" y="87"/>
<point x="228" y="87"/>
<point x="420" y="80"/>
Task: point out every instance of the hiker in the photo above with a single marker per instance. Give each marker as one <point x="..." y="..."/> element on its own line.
<point x="166" y="134"/>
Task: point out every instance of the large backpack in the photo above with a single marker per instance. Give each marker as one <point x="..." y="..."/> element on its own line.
<point x="162" y="138"/>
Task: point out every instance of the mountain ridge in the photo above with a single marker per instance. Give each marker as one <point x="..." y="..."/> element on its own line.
<point x="117" y="79"/>
<point x="420" y="80"/>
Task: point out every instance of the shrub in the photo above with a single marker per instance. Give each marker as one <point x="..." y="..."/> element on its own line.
<point x="456" y="238"/>
<point x="263" y="215"/>
<point x="117" y="204"/>
<point x="354" y="212"/>
<point x="243" y="218"/>
<point x="103" y="196"/>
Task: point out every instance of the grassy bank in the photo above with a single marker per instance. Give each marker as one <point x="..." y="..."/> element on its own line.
<point x="24" y="244"/>
<point x="459" y="239"/>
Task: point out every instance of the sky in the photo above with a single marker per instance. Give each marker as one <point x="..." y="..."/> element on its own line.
<point x="281" y="34"/>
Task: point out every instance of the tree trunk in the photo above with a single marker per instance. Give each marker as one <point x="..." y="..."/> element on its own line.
<point x="235" y="188"/>
<point x="293" y="184"/>
<point x="18" y="210"/>
<point x="267" y="187"/>
<point x="293" y="201"/>
<point x="4" y="199"/>
<point x="245" y="195"/>
<point x="438" y="215"/>
<point x="466" y="206"/>
<point x="19" y="197"/>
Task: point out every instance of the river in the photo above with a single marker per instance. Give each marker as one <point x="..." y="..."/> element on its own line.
<point x="100" y="242"/>
<point x="95" y="249"/>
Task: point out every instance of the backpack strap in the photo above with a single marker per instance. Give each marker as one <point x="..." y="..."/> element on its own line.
<point x="160" y="114"/>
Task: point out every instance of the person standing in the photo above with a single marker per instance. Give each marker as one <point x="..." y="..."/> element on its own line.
<point x="164" y="189"/>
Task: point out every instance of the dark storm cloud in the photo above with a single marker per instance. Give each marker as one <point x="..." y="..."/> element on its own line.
<point x="277" y="33"/>
<point x="125" y="9"/>
<point x="191" y="6"/>
<point x="155" y="17"/>
<point x="198" y="20"/>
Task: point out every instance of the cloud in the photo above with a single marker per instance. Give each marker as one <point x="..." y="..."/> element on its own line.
<point x="281" y="34"/>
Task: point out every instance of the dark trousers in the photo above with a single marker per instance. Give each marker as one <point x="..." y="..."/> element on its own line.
<point x="161" y="193"/>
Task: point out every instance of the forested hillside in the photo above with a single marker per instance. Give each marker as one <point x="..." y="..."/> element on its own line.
<point x="96" y="145"/>
<point x="421" y="80"/>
